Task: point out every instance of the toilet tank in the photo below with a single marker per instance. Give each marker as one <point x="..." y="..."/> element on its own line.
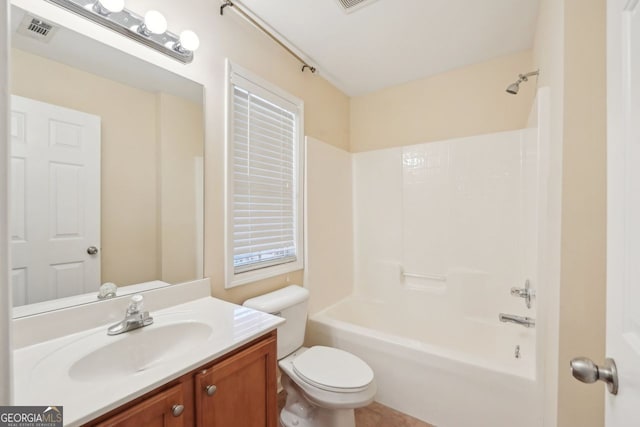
<point x="291" y="304"/>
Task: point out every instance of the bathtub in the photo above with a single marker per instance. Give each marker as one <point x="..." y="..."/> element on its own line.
<point x="449" y="372"/>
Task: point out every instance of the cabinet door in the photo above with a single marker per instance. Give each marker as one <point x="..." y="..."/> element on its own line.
<point x="239" y="391"/>
<point x="165" y="409"/>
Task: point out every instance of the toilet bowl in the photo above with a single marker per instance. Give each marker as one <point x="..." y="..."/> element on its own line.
<point x="330" y="378"/>
<point x="324" y="385"/>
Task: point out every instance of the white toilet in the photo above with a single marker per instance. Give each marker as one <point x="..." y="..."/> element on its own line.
<point x="324" y="385"/>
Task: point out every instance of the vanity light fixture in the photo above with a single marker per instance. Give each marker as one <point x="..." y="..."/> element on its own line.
<point x="105" y="7"/>
<point x="150" y="30"/>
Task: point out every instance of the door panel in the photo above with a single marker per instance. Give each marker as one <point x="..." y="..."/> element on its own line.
<point x="623" y="214"/>
<point x="55" y="213"/>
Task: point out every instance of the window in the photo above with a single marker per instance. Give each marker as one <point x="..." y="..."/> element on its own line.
<point x="264" y="191"/>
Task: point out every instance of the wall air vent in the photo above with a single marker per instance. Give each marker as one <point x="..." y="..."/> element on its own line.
<point x="353" y="5"/>
<point x="36" y="28"/>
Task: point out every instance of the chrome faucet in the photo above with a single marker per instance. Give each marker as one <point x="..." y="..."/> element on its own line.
<point x="107" y="290"/>
<point x="527" y="322"/>
<point x="134" y="318"/>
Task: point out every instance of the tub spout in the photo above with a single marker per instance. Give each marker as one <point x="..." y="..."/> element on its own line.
<point x="527" y="322"/>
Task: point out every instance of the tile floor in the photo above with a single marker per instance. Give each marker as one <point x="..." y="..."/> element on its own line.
<point x="376" y="415"/>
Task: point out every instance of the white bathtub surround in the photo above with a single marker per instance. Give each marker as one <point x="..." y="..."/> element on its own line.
<point x="329" y="222"/>
<point x="549" y="210"/>
<point x="458" y="217"/>
<point x="442" y="232"/>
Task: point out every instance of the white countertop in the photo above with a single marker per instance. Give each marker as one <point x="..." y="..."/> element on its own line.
<point x="41" y="371"/>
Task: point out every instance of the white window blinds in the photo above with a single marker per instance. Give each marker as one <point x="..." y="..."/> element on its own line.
<point x="264" y="180"/>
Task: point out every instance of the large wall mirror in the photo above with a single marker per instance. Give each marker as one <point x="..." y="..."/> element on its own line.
<point x="106" y="168"/>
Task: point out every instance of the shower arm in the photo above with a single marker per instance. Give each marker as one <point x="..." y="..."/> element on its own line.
<point x="525" y="77"/>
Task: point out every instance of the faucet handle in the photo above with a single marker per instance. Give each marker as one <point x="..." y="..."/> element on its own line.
<point x="107" y="290"/>
<point x="527" y="293"/>
<point x="136" y="305"/>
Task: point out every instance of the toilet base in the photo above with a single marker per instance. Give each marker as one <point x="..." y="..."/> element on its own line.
<point x="319" y="417"/>
<point x="298" y="412"/>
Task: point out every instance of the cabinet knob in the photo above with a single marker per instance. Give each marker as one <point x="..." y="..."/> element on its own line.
<point x="211" y="390"/>
<point x="177" y="410"/>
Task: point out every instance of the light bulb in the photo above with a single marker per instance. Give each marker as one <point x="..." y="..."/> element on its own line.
<point x="113" y="6"/>
<point x="107" y="7"/>
<point x="189" y="40"/>
<point x="155" y="22"/>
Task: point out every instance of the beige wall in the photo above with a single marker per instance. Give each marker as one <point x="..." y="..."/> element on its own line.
<point x="463" y="102"/>
<point x="583" y="277"/>
<point x="330" y="251"/>
<point x="570" y="48"/>
<point x="147" y="167"/>
<point x="180" y="140"/>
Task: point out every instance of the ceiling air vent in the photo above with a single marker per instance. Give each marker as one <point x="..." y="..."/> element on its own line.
<point x="36" y="28"/>
<point x="353" y="5"/>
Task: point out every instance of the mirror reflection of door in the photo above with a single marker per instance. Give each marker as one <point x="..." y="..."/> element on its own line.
<point x="55" y="213"/>
<point x="150" y="193"/>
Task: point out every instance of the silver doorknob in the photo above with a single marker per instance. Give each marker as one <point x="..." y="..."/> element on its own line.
<point x="211" y="390"/>
<point x="177" y="410"/>
<point x="92" y="250"/>
<point x="583" y="369"/>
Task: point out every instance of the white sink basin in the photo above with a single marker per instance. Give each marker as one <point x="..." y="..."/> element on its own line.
<point x="139" y="350"/>
<point x="99" y="357"/>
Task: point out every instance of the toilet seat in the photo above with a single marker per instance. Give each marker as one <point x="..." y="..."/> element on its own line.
<point x="333" y="370"/>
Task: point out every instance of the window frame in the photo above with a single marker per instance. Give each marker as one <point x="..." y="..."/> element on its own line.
<point x="247" y="80"/>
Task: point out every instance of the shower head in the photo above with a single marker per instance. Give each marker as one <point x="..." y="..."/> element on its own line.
<point x="513" y="88"/>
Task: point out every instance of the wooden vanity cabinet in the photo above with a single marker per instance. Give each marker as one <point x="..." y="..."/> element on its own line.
<point x="240" y="390"/>
<point x="164" y="409"/>
<point x="236" y="390"/>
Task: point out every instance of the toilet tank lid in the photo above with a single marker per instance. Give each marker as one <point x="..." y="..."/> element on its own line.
<point x="276" y="301"/>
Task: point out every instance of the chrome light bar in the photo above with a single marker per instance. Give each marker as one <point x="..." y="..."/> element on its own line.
<point x="130" y="25"/>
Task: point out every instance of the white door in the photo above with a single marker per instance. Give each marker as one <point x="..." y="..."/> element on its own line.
<point x="55" y="198"/>
<point x="623" y="222"/>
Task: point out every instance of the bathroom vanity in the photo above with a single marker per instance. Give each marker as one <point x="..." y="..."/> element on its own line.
<point x="236" y="389"/>
<point x="203" y="362"/>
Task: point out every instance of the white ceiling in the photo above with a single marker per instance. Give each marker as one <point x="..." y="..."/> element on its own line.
<point x="389" y="42"/>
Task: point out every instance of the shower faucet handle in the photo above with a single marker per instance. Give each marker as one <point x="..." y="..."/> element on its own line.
<point x="527" y="293"/>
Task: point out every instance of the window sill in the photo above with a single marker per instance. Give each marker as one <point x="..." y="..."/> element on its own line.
<point x="234" y="280"/>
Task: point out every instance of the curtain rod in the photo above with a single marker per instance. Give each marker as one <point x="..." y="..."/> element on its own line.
<point x="238" y="9"/>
